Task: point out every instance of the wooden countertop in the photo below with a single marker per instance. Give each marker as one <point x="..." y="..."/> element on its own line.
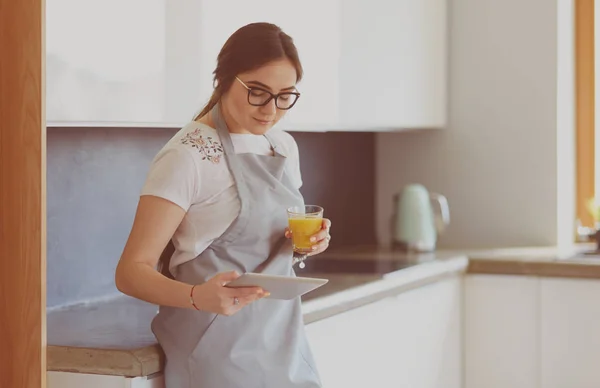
<point x="575" y="262"/>
<point x="113" y="337"/>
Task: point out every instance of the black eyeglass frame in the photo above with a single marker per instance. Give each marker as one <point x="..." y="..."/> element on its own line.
<point x="271" y="95"/>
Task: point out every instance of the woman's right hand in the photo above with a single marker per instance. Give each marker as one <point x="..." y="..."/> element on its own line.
<point x="214" y="297"/>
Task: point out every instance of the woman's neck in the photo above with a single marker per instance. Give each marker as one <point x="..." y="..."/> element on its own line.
<point x="231" y="123"/>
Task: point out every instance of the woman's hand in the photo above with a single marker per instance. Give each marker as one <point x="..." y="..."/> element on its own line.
<point x="320" y="240"/>
<point x="214" y="297"/>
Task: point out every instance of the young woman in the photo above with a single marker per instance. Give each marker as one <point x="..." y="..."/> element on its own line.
<point x="218" y="192"/>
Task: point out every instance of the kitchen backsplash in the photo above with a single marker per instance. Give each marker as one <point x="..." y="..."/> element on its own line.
<point x="338" y="173"/>
<point x="94" y="176"/>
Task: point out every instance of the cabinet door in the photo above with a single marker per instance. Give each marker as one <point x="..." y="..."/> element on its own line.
<point x="79" y="380"/>
<point x="315" y="27"/>
<point x="412" y="340"/>
<point x="105" y="61"/>
<point x="570" y="345"/>
<point x="393" y="64"/>
<point x="501" y="331"/>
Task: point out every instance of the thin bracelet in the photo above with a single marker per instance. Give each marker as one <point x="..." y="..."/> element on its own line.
<point x="192" y="298"/>
<point x="299" y="258"/>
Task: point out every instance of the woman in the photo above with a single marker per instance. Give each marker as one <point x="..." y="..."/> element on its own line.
<point x="218" y="191"/>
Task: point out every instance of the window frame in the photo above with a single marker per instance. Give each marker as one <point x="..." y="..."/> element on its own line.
<point x="584" y="109"/>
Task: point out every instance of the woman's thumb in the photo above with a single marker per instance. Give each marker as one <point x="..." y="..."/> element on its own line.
<point x="225" y="277"/>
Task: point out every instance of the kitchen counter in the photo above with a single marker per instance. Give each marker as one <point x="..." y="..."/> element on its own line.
<point x="578" y="261"/>
<point x="575" y="262"/>
<point x="113" y="337"/>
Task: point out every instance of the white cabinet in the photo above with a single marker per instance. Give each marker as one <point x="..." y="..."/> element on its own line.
<point x="393" y="67"/>
<point x="373" y="65"/>
<point x="411" y="340"/>
<point x="501" y="331"/>
<point x="122" y="63"/>
<point x="570" y="338"/>
<point x="110" y="64"/>
<point x="80" y="380"/>
<point x="105" y="61"/>
<point x="525" y="332"/>
<point x="315" y="27"/>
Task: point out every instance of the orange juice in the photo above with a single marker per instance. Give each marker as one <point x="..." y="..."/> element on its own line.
<point x="302" y="230"/>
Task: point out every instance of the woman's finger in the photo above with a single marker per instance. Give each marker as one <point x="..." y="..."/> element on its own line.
<point x="320" y="236"/>
<point x="323" y="233"/>
<point x="236" y="303"/>
<point x="320" y="248"/>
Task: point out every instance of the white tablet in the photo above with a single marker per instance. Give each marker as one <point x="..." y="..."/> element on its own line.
<point x="280" y="287"/>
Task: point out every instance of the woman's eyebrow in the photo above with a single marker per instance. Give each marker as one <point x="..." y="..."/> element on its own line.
<point x="268" y="87"/>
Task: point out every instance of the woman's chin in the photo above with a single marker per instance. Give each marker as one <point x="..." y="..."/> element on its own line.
<point x="258" y="127"/>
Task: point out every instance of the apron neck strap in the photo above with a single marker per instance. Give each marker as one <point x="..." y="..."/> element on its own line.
<point x="222" y="129"/>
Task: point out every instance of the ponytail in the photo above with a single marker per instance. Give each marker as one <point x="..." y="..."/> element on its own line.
<point x="214" y="100"/>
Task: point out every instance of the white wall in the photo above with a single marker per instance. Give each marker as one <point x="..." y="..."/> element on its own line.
<point x="498" y="162"/>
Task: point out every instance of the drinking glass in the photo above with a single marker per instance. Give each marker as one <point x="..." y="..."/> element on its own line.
<point x="304" y="221"/>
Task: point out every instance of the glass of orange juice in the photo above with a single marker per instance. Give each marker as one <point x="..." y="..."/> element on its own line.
<point x="304" y="221"/>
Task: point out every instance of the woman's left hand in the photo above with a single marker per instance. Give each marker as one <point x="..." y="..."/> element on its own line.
<point x="320" y="240"/>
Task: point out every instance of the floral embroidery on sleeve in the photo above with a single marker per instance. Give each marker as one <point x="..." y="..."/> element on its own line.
<point x="210" y="149"/>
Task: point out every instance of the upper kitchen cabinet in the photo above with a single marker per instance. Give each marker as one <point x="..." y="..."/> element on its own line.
<point x="314" y="25"/>
<point x="393" y="67"/>
<point x="377" y="65"/>
<point x="150" y="62"/>
<point x="121" y="63"/>
<point x="105" y="61"/>
<point x="369" y="65"/>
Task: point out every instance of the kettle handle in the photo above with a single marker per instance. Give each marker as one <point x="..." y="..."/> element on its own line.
<point x="444" y="211"/>
<point x="393" y="224"/>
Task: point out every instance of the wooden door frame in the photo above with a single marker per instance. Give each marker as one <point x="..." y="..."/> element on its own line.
<point x="22" y="195"/>
<point x="584" y="108"/>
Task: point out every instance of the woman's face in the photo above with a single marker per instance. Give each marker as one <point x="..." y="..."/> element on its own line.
<point x="241" y="116"/>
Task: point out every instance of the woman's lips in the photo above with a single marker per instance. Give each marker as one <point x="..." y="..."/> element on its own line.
<point x="263" y="122"/>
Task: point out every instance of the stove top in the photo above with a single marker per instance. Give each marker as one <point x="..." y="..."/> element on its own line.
<point x="352" y="266"/>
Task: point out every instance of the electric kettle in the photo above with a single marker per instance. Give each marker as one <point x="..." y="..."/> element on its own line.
<point x="415" y="225"/>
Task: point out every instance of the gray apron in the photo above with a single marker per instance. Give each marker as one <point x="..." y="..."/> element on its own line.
<point x="264" y="344"/>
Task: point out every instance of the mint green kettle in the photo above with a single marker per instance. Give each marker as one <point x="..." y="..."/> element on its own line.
<point x="415" y="224"/>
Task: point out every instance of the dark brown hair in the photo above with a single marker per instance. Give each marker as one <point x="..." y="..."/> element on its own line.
<point x="249" y="48"/>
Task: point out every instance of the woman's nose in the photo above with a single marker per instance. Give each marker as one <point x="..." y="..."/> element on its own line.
<point x="270" y="108"/>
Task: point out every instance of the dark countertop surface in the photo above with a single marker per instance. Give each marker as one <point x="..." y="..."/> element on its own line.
<point x="578" y="261"/>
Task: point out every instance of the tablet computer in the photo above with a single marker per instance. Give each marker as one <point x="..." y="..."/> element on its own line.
<point x="280" y="287"/>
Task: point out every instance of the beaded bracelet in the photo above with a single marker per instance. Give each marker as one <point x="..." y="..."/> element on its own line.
<point x="299" y="258"/>
<point x="192" y="298"/>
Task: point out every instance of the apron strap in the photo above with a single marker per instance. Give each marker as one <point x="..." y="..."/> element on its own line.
<point x="235" y="168"/>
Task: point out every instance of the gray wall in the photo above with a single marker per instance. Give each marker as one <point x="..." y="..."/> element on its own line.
<point x="93" y="180"/>
<point x="95" y="175"/>
<point x="506" y="161"/>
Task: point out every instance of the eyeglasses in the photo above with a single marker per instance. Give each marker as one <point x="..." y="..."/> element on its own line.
<point x="261" y="97"/>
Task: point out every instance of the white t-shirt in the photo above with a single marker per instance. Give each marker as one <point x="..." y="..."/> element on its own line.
<point x="191" y="171"/>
